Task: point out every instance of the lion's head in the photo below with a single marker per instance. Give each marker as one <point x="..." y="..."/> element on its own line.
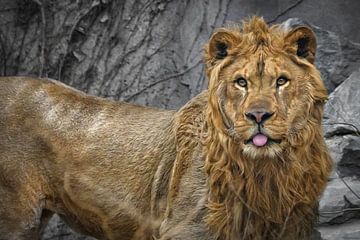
<point x="264" y="89"/>
<point x="266" y="158"/>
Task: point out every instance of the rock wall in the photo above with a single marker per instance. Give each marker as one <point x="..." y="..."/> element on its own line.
<point x="149" y="52"/>
<point x="340" y="204"/>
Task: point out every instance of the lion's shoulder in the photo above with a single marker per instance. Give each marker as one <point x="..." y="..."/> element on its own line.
<point x="189" y="120"/>
<point x="188" y="128"/>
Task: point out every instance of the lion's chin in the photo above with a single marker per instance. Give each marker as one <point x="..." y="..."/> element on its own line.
<point x="267" y="151"/>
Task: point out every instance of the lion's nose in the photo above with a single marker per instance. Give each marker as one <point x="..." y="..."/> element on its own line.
<point x="258" y="116"/>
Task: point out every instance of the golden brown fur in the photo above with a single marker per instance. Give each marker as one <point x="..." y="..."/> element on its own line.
<point x="121" y="171"/>
<point x="273" y="193"/>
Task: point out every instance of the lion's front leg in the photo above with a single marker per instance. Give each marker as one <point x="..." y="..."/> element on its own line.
<point x="20" y="218"/>
<point x="23" y="194"/>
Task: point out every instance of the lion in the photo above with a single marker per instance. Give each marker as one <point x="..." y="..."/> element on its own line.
<point x="245" y="159"/>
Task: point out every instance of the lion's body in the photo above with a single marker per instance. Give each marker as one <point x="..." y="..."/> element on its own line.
<point x="121" y="171"/>
<point x="94" y="156"/>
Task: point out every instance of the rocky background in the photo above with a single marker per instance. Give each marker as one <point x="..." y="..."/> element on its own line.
<point x="149" y="52"/>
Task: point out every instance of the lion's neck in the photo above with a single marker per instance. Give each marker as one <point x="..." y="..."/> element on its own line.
<point x="262" y="198"/>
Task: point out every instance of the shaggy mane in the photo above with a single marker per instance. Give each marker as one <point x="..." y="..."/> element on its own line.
<point x="256" y="199"/>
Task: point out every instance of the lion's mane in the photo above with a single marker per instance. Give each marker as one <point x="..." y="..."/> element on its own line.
<point x="267" y="198"/>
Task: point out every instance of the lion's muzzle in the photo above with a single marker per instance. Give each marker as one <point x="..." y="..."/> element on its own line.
<point x="258" y="116"/>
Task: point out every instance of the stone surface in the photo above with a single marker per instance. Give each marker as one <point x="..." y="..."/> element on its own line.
<point x="345" y="151"/>
<point x="57" y="229"/>
<point x="344" y="107"/>
<point x="340" y="204"/>
<point x="349" y="164"/>
<point x="340" y="201"/>
<point x="339" y="16"/>
<point x="346" y="231"/>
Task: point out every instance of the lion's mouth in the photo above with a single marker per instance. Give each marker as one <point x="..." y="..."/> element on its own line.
<point x="260" y="140"/>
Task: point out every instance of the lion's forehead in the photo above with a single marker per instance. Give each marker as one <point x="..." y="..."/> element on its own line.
<point x="259" y="66"/>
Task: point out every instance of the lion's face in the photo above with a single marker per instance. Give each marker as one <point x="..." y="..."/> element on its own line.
<point x="264" y="106"/>
<point x="264" y="87"/>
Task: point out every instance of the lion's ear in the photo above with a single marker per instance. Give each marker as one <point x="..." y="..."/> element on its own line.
<point x="221" y="42"/>
<point x="302" y="42"/>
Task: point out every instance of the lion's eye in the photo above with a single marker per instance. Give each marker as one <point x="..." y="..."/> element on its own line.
<point x="281" y="81"/>
<point x="241" y="82"/>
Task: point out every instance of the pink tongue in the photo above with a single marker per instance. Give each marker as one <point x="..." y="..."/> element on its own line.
<point x="260" y="140"/>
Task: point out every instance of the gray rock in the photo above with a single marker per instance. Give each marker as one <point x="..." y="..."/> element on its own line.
<point x="345" y="152"/>
<point x="342" y="111"/>
<point x="340" y="201"/>
<point x="349" y="164"/>
<point x="336" y="144"/>
<point x="340" y="204"/>
<point x="56" y="226"/>
<point x="347" y="231"/>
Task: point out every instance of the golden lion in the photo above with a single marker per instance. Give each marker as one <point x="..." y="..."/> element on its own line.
<point x="244" y="160"/>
